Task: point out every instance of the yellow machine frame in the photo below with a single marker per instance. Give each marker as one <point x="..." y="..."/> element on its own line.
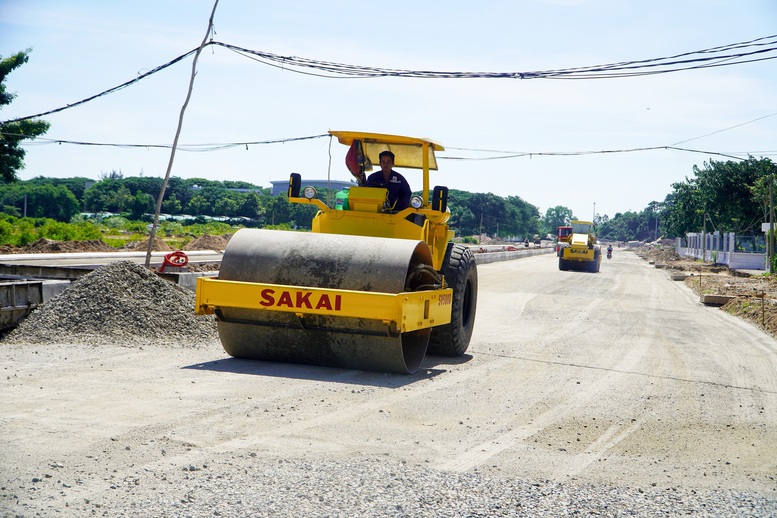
<point x="581" y="244"/>
<point x="403" y="312"/>
<point x="365" y="216"/>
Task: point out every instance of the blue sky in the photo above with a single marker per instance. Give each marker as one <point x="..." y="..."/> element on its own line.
<point x="81" y="48"/>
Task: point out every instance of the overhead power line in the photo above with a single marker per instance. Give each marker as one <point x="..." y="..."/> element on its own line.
<point x="497" y="154"/>
<point x="725" y="129"/>
<point x="725" y="55"/>
<point x="106" y="92"/>
<point x="759" y="49"/>
<point x="41" y="141"/>
<point x="524" y="154"/>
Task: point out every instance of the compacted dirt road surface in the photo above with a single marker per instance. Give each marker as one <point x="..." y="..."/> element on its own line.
<point x="613" y="393"/>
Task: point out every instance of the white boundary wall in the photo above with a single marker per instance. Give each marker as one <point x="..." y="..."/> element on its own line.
<point x="715" y="247"/>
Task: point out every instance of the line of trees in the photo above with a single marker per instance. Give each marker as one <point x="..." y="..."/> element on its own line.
<point x="733" y="196"/>
<point x="63" y="199"/>
<point x="729" y="196"/>
<point x="488" y="214"/>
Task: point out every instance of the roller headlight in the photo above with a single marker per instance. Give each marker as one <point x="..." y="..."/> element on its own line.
<point x="416" y="202"/>
<point x="309" y="192"/>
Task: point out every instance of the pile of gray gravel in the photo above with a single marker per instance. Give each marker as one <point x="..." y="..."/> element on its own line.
<point x="119" y="303"/>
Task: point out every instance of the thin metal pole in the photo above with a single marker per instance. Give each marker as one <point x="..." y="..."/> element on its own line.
<point x="770" y="252"/>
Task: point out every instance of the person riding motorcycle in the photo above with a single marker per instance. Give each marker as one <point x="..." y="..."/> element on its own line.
<point x="609" y="251"/>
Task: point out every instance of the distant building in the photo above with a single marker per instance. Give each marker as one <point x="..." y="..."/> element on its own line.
<point x="280" y="186"/>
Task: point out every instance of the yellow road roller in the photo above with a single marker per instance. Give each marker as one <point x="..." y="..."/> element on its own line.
<point x="371" y="287"/>
<point x="580" y="250"/>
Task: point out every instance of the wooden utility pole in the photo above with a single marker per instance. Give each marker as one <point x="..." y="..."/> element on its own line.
<point x="152" y="236"/>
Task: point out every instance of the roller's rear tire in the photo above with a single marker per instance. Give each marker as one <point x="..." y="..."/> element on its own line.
<point x="461" y="275"/>
<point x="594" y="267"/>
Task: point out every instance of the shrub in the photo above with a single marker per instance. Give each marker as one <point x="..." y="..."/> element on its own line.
<point x="26" y="233"/>
<point x="51" y="229"/>
<point x="6" y="232"/>
<point x="115" y="222"/>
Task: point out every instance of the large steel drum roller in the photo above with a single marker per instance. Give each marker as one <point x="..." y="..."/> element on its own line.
<point x="331" y="261"/>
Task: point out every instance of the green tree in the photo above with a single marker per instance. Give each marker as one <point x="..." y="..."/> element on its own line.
<point x="555" y="217"/>
<point x="473" y="213"/>
<point x="729" y="194"/>
<point x="627" y="226"/>
<point x="76" y="185"/>
<point x="653" y="212"/>
<point x="172" y="205"/>
<point x="279" y="210"/>
<point x="108" y="195"/>
<point x="251" y="206"/>
<point x="113" y="175"/>
<point x="146" y="185"/>
<point x="198" y="205"/>
<point x="463" y="221"/>
<point x="225" y="206"/>
<point x="682" y="211"/>
<point x="142" y="203"/>
<point x="14" y="132"/>
<point x="38" y="201"/>
<point x="181" y="189"/>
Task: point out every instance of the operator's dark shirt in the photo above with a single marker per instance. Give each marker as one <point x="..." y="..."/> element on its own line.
<point x="398" y="189"/>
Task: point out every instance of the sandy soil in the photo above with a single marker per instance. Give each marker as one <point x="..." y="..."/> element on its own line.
<point x="754" y="295"/>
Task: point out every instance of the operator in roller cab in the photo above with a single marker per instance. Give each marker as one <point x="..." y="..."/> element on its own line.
<point x="399" y="192"/>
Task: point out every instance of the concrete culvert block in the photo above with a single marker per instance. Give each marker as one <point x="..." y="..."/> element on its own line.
<point x="716" y="300"/>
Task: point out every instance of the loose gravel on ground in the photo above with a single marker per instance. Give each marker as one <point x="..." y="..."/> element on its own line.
<point x="245" y="485"/>
<point x="125" y="303"/>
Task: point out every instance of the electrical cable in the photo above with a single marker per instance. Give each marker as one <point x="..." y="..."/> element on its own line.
<point x="581" y="153"/>
<point x="724" y="55"/>
<point x="181" y="147"/>
<point x="506" y="154"/>
<point x="284" y="62"/>
<point x="106" y="92"/>
<point x="725" y="129"/>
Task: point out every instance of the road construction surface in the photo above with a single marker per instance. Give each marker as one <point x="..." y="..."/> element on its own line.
<point x="619" y="378"/>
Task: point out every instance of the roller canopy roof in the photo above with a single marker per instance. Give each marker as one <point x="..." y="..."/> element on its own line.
<point x="408" y="151"/>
